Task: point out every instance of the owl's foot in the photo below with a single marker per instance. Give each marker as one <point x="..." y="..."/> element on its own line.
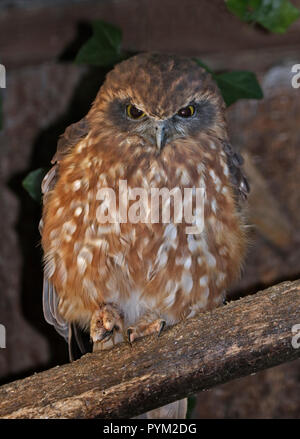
<point x="105" y="322"/>
<point x="145" y="326"/>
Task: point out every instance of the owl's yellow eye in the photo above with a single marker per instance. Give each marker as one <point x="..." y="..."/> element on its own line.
<point x="134" y="113"/>
<point x="186" y="111"/>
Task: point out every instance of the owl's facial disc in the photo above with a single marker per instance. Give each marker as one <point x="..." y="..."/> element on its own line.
<point x="164" y="128"/>
<point x="159" y="131"/>
<point x="187" y="121"/>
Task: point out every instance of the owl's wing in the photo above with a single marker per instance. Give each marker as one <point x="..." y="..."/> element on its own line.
<point x="50" y="309"/>
<point x="77" y="340"/>
<point x="239" y="181"/>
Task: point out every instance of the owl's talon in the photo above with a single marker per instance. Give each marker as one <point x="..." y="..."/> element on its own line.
<point x="162" y="326"/>
<point x="129" y="333"/>
<point x="106" y="334"/>
<point x="145" y="326"/>
<point x="105" y="322"/>
<point x="102" y="335"/>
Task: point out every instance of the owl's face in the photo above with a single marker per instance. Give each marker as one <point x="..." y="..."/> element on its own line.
<point x="160" y="99"/>
<point x="185" y="122"/>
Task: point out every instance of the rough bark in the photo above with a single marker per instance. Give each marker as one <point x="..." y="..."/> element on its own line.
<point x="245" y="336"/>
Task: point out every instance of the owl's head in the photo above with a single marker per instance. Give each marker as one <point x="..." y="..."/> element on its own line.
<point x="160" y="98"/>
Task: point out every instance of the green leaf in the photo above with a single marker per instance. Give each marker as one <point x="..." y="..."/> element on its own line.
<point x="274" y="15"/>
<point x="237" y="85"/>
<point x="32" y="183"/>
<point x="103" y="48"/>
<point x="243" y="8"/>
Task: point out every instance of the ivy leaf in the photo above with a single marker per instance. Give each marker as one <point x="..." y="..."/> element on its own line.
<point x="243" y="9"/>
<point x="237" y="85"/>
<point x="274" y="15"/>
<point x="103" y="48"/>
<point x="32" y="183"/>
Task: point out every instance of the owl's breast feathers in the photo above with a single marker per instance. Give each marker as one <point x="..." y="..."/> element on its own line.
<point x="139" y="265"/>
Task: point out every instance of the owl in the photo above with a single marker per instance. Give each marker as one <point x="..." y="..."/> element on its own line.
<point x="157" y="123"/>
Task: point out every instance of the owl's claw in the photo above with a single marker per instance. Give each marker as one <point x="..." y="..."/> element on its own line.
<point x="129" y="332"/>
<point x="145" y="327"/>
<point x="101" y="334"/>
<point x="162" y="326"/>
<point x="104" y="322"/>
<point x="105" y="334"/>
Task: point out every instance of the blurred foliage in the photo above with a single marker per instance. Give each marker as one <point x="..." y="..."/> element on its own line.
<point x="274" y="15"/>
<point x="235" y="85"/>
<point x="32" y="183"/>
<point x="103" y="48"/>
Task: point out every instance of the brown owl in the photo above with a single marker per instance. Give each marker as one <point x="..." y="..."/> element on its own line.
<point x="156" y="123"/>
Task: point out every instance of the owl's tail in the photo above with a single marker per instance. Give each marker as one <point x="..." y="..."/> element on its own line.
<point x="174" y="410"/>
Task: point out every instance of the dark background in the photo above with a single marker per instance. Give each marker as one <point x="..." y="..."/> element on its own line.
<point x="46" y="91"/>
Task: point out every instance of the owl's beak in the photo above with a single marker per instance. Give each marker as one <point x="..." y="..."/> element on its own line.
<point x="160" y="134"/>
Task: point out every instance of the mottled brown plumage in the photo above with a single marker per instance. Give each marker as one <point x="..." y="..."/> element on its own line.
<point x="109" y="278"/>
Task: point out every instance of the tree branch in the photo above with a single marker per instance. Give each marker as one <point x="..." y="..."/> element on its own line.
<point x="243" y="337"/>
